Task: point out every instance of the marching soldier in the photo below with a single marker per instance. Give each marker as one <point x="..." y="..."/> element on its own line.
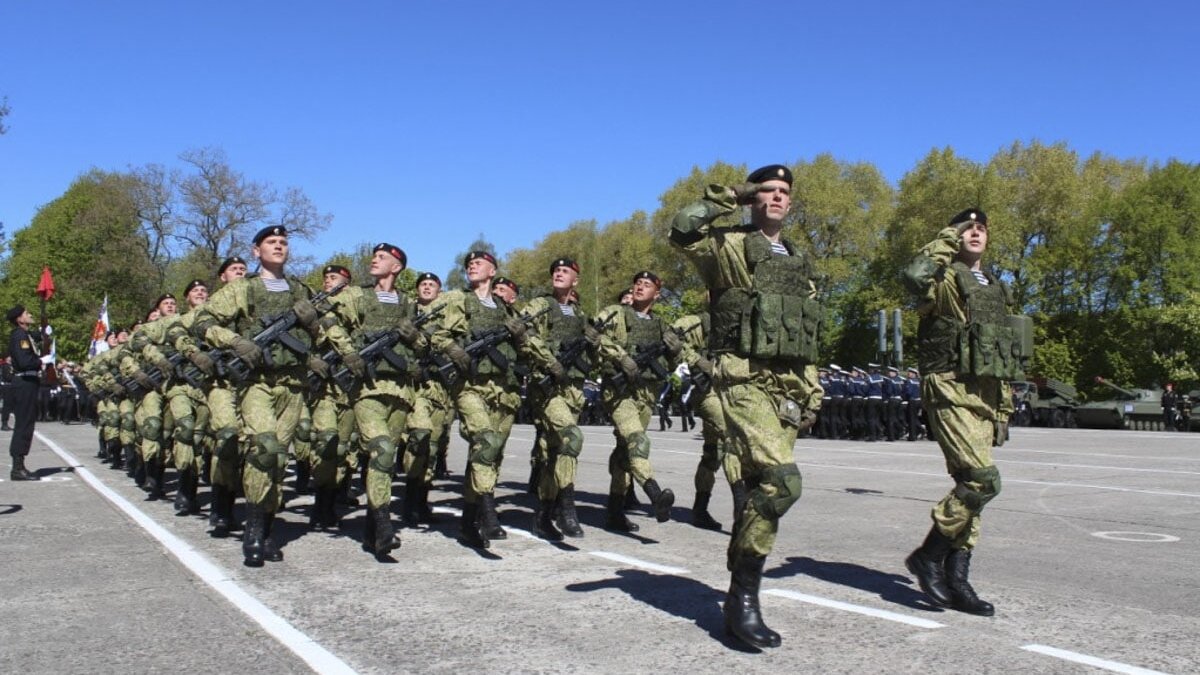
<point x="149" y="413"/>
<point x="764" y="372"/>
<point x="428" y="424"/>
<point x="966" y="349"/>
<point x="224" y="422"/>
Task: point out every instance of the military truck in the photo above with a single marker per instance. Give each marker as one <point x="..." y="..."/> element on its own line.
<point x="1044" y="402"/>
<point x="1127" y="409"/>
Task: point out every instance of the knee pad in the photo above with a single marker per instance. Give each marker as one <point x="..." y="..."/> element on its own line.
<point x="988" y="478"/>
<point x="572" y="442"/>
<point x="485" y="448"/>
<point x="383" y="454"/>
<point x="128" y="423"/>
<point x="785" y="479"/>
<point x="711" y="459"/>
<point x="304" y="429"/>
<point x="326" y="445"/>
<point x="226" y="447"/>
<point x="268" y="455"/>
<point x="151" y="428"/>
<point x="418" y="443"/>
<point x="639" y="446"/>
<point x="185" y="429"/>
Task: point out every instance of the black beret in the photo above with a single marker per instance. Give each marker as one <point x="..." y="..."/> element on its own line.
<point x="647" y="275"/>
<point x="232" y="260"/>
<point x="193" y="284"/>
<point x="564" y="262"/>
<point x="480" y="254"/>
<point x="622" y="294"/>
<point x="429" y="276"/>
<point x="336" y="269"/>
<point x="770" y="172"/>
<point x="969" y="216"/>
<point x="392" y="250"/>
<point x="271" y="231"/>
<point x="505" y="281"/>
<point x="162" y="297"/>
<point x="15" y="313"/>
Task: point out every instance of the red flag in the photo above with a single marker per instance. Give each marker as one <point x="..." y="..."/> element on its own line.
<point x="46" y="284"/>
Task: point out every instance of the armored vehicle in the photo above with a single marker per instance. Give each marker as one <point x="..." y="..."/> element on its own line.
<point x="1044" y="402"/>
<point x="1127" y="409"/>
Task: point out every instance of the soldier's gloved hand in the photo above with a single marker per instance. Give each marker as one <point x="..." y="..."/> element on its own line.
<point x="247" y="351"/>
<point x="744" y="192"/>
<point x="144" y="380"/>
<point x="591" y="335"/>
<point x="672" y="342"/>
<point x="355" y="363"/>
<point x="704" y="367"/>
<point x="164" y="367"/>
<point x="999" y="433"/>
<point x="807" y="421"/>
<point x="203" y="361"/>
<point x="117" y="390"/>
<point x="306" y="314"/>
<point x="318" y="365"/>
<point x="516" y="328"/>
<point x="408" y="333"/>
<point x="629" y="368"/>
<point x="557" y="371"/>
<point x="460" y="357"/>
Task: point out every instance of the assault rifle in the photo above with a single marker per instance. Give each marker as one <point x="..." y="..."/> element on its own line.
<point x="482" y="344"/>
<point x="192" y="373"/>
<point x="157" y="376"/>
<point x="379" y="346"/>
<point x="647" y="357"/>
<point x="571" y="354"/>
<point x="275" y="330"/>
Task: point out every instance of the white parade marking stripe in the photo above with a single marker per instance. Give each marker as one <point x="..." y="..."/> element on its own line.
<point x="654" y="567"/>
<point x="857" y="609"/>
<point x="317" y="657"/>
<point x="1093" y="661"/>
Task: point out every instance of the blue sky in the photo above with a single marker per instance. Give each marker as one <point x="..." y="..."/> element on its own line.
<point x="425" y="124"/>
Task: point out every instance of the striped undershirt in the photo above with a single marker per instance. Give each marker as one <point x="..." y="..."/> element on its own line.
<point x="983" y="280"/>
<point x="388" y="297"/>
<point x="567" y="309"/>
<point x="778" y="248"/>
<point x="488" y="302"/>
<point x="276" y="285"/>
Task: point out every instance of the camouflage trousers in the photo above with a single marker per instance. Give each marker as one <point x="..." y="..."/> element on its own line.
<point x="487" y="409"/>
<point x="630" y="412"/>
<point x="560" y="440"/>
<point x="428" y="426"/>
<point x="109" y="415"/>
<point x="271" y="410"/>
<point x="151" y="422"/>
<point x="189" y="413"/>
<point x="127" y="416"/>
<point x="332" y="434"/>
<point x="714" y="453"/>
<point x="961" y="415"/>
<point x="225" y="428"/>
<point x="382" y="420"/>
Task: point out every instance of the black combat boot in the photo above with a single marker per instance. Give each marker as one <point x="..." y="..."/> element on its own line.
<point x="927" y="564"/>
<point x="743" y="618"/>
<point x="700" y="515"/>
<point x="316" y="513"/>
<point x="535" y="474"/>
<point x="303" y="476"/>
<point x="19" y="472"/>
<point x="472" y="534"/>
<point x="661" y="499"/>
<point x="154" y="479"/>
<point x="616" y="520"/>
<point x="490" y="520"/>
<point x="185" y="493"/>
<point x="128" y="461"/>
<point x="439" y="467"/>
<point x="543" y="521"/>
<point x="962" y="595"/>
<point x="424" y="513"/>
<point x="408" y="506"/>
<point x="220" y="514"/>
<point x="631" y="500"/>
<point x="252" y="539"/>
<point x="382" y="537"/>
<point x="568" y="519"/>
<point x="102" y="451"/>
<point x="114" y="453"/>
<point x="271" y="551"/>
<point x="206" y="468"/>
<point x="345" y="495"/>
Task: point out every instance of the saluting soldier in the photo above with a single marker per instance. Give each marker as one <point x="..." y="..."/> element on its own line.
<point x="765" y="372"/>
<point x="966" y="350"/>
<point x="25" y="350"/>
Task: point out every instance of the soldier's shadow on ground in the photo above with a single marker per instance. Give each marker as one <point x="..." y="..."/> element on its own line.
<point x="52" y="470"/>
<point x="679" y="596"/>
<point x="9" y="509"/>
<point x="894" y="588"/>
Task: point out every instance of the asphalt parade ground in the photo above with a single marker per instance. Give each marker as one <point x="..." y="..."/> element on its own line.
<point x="1091" y="555"/>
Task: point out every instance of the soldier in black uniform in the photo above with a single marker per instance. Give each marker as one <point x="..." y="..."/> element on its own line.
<point x="825" y="415"/>
<point x="1169" y="401"/>
<point x="24" y="349"/>
<point x="875" y="402"/>
<point x="893" y="394"/>
<point x="912" y="399"/>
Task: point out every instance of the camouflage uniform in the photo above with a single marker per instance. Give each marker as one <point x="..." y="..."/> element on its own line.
<point x="428" y="428"/>
<point x="95" y="374"/>
<point x="148" y="410"/>
<point x="188" y="410"/>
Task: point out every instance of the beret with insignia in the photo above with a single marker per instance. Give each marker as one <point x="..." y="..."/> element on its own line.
<point x="392" y="250"/>
<point x="622" y="294"/>
<point x="770" y="172"/>
<point x="232" y="260"/>
<point x="474" y="255"/>
<point x="969" y="216"/>
<point x="272" y="231"/>
<point x="193" y="284"/>
<point x="15" y="313"/>
<point x="429" y="276"/>
<point x="564" y="262"/>
<point x="336" y="269"/>
<point x="651" y="276"/>
<point x="164" y="296"/>
<point x="505" y="281"/>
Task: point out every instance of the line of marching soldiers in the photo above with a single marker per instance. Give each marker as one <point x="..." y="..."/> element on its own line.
<point x="362" y="381"/>
<point x="866" y="405"/>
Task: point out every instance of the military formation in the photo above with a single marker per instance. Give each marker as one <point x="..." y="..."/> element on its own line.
<point x="357" y="382"/>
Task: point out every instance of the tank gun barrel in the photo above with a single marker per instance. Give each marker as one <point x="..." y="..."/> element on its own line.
<point x="1122" y="390"/>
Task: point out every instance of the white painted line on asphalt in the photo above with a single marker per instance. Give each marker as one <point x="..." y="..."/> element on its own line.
<point x="1137" y="537"/>
<point x="939" y="458"/>
<point x="317" y="657"/>
<point x="1086" y="660"/>
<point x="1008" y="481"/>
<point x="627" y="560"/>
<point x="857" y="609"/>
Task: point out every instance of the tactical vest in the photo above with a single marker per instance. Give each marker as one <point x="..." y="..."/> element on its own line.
<point x="774" y="319"/>
<point x="267" y="305"/>
<point x="381" y="317"/>
<point x="480" y="319"/>
<point x="643" y="334"/>
<point x="565" y="330"/>
<point x="991" y="343"/>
